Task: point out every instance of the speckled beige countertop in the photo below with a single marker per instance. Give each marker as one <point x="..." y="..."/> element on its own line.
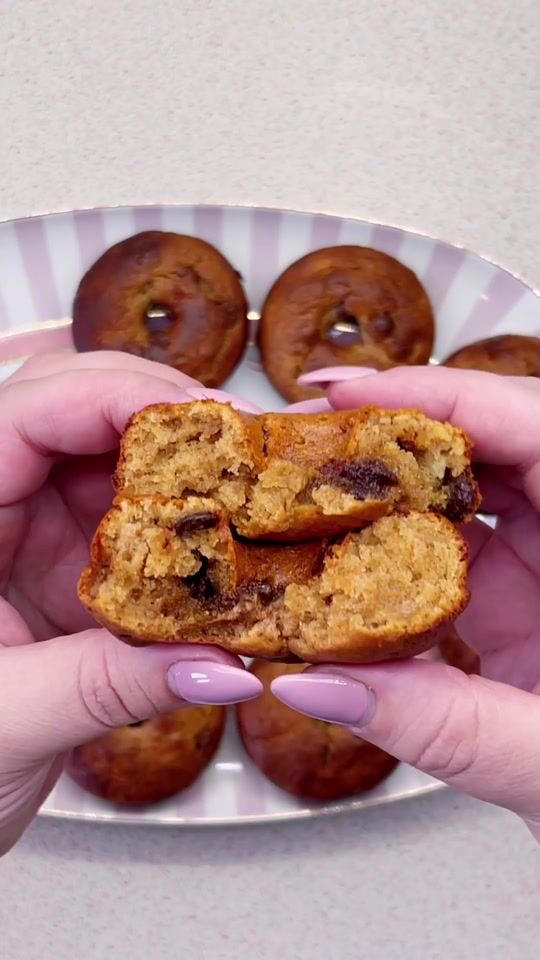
<point x="422" y="114"/>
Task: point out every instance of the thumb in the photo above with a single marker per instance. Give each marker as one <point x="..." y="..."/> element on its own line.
<point x="478" y="735"/>
<point x="59" y="693"/>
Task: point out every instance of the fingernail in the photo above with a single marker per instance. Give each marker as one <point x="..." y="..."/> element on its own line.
<point x="320" y="378"/>
<point x="327" y="697"/>
<point x="216" y="683"/>
<point x="204" y="393"/>
<point x="320" y="405"/>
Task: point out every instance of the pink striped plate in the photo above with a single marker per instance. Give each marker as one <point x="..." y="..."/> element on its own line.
<point x="41" y="262"/>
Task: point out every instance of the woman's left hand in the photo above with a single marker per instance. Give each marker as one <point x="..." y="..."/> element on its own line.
<point x="63" y="681"/>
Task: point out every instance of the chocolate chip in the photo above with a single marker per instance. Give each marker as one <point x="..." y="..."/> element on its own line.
<point x="158" y="318"/>
<point x="261" y="589"/>
<point x="461" y="493"/>
<point x="200" y="584"/>
<point x="381" y="326"/>
<point x="196" y="521"/>
<point x="363" y="479"/>
<point x="345" y="330"/>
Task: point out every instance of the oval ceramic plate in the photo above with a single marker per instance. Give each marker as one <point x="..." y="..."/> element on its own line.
<point x="41" y="262"/>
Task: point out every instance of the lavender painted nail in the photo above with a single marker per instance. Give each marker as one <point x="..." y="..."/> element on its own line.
<point x="204" y="393"/>
<point x="326" y="696"/>
<point x="320" y="378"/>
<point x="319" y="405"/>
<point x="205" y="682"/>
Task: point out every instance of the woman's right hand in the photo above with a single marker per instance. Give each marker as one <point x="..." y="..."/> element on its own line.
<point x="481" y="735"/>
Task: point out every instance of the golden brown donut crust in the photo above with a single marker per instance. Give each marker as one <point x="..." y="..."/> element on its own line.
<point x="157" y="576"/>
<point x="457" y="653"/>
<point x="511" y="355"/>
<point x="289" y="477"/>
<point x="150" y="760"/>
<point x="382" y="298"/>
<point x="205" y="328"/>
<point x="306" y="757"/>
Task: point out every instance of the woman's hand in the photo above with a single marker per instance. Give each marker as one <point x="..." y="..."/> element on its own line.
<point x="482" y="735"/>
<point x="60" y="421"/>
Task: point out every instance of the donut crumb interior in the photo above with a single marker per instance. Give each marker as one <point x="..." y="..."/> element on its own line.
<point x="155" y="578"/>
<point x="275" y="473"/>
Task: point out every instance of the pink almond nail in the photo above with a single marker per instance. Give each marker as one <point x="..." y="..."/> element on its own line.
<point x="327" y="375"/>
<point x="325" y="696"/>
<point x="319" y="405"/>
<point x="212" y="683"/>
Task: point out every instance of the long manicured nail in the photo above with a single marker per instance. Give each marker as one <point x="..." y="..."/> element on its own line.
<point x="320" y="378"/>
<point x="319" y="405"/>
<point x="216" y="683"/>
<point x="205" y="393"/>
<point x="326" y="696"/>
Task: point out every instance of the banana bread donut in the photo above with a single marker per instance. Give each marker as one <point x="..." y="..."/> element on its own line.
<point x="339" y="306"/>
<point x="165" y="570"/>
<point x="165" y="297"/>
<point x="308" y="758"/>
<point x="150" y="760"/>
<point x="287" y="477"/>
<point x="510" y="354"/>
<point x="457" y="653"/>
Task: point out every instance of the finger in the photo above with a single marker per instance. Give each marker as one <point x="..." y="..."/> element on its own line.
<point x="57" y="694"/>
<point x="74" y="413"/>
<point x="497" y="412"/>
<point x="46" y="364"/>
<point x="85" y="486"/>
<point x="480" y="736"/>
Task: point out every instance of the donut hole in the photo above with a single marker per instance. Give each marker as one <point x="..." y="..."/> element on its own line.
<point x="158" y="318"/>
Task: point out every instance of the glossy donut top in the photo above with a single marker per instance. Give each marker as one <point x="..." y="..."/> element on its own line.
<point x="343" y="305"/>
<point x="166" y="297"/>
<point x="512" y="355"/>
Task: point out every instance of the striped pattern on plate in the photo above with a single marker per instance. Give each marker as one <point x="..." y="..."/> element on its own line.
<point x="41" y="262"/>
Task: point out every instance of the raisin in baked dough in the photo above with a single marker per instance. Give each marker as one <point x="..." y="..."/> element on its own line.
<point x="166" y="297"/>
<point x="150" y="760"/>
<point x="167" y="570"/>
<point x="340" y="306"/>
<point x="511" y="355"/>
<point x="306" y="757"/>
<point x="298" y="476"/>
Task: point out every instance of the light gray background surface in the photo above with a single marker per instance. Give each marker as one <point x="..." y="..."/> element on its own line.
<point x="424" y="114"/>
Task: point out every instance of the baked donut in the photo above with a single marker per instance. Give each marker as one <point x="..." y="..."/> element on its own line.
<point x="286" y="477"/>
<point x="166" y="570"/>
<point x="306" y="757"/>
<point x="166" y="297"/>
<point x="457" y="653"/>
<point x="150" y="760"/>
<point x="340" y="306"/>
<point x="510" y="354"/>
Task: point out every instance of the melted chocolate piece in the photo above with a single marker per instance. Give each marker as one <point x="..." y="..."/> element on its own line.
<point x="362" y="479"/>
<point x="261" y="589"/>
<point x="158" y="318"/>
<point x="196" y="521"/>
<point x="200" y="584"/>
<point x="345" y="329"/>
<point x="381" y="326"/>
<point x="461" y="493"/>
